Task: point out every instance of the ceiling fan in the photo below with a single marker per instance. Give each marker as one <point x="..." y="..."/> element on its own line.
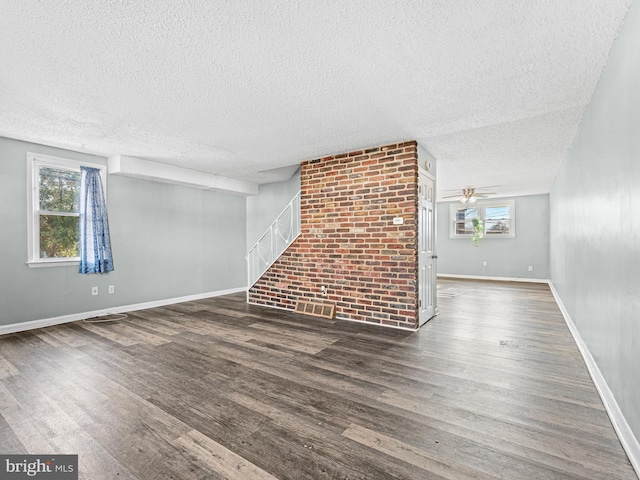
<point x="470" y="195"/>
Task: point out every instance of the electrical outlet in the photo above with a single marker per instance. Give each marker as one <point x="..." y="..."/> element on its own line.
<point x="323" y="290"/>
<point x="531" y="268"/>
<point x="112" y="288"/>
<point x="94" y="290"/>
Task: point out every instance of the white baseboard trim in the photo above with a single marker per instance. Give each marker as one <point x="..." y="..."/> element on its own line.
<point x="47" y="322"/>
<point x="500" y="279"/>
<point x="628" y="440"/>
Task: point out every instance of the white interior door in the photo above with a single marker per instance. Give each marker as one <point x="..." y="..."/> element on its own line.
<point x="427" y="280"/>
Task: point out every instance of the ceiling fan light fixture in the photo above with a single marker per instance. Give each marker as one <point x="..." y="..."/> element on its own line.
<point x="469" y="195"/>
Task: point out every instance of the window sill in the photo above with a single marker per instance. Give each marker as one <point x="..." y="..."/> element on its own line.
<point x="498" y="236"/>
<point x="467" y="237"/>
<point x="54" y="263"/>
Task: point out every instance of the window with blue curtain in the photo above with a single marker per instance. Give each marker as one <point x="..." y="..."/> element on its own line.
<point x="95" y="246"/>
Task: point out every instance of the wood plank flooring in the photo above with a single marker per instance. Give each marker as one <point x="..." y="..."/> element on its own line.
<point x="494" y="387"/>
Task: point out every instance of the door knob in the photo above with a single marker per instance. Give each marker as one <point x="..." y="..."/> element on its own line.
<point x="434" y="256"/>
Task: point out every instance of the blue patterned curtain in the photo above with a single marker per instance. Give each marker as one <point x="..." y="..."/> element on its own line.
<point x="95" y="247"/>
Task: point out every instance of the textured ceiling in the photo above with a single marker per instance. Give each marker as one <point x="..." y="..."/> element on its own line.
<point x="495" y="90"/>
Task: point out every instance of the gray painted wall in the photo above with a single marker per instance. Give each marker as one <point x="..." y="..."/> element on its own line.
<point x="595" y="223"/>
<point x="423" y="157"/>
<point x="505" y="257"/>
<point x="264" y="208"/>
<point x="168" y="241"/>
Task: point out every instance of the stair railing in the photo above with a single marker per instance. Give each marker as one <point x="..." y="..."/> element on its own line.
<point x="282" y="232"/>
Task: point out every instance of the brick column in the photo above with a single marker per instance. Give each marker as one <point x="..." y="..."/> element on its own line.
<point x="349" y="242"/>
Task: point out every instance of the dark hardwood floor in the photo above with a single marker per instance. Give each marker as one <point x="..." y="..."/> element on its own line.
<point x="494" y="387"/>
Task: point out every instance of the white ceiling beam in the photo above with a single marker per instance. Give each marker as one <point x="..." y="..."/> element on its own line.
<point x="159" y="172"/>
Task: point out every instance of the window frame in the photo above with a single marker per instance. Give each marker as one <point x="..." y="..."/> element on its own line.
<point x="481" y="207"/>
<point x="35" y="161"/>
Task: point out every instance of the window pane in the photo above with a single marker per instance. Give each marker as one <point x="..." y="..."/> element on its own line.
<point x="497" y="213"/>
<point x="463" y="217"/>
<point x="59" y="190"/>
<point x="497" y="220"/>
<point x="464" y="228"/>
<point x="58" y="236"/>
<point x="497" y="227"/>
<point x="466" y="213"/>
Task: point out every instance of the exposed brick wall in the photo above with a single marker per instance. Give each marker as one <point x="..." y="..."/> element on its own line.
<point x="349" y="242"/>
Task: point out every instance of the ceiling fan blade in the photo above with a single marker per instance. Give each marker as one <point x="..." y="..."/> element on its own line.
<point x="484" y="194"/>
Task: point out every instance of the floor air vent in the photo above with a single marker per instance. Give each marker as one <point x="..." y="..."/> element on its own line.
<point x="325" y="310"/>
